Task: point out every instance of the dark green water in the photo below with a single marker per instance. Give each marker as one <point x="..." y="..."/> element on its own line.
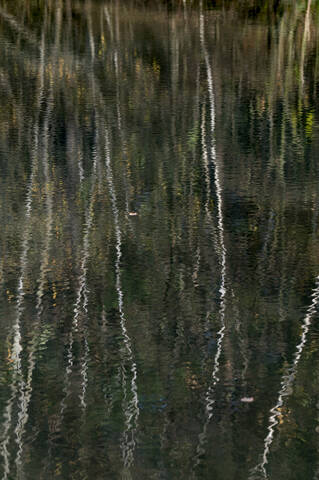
<point x="159" y="244"/>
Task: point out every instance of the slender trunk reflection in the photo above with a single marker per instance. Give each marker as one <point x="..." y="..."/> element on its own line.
<point x="209" y="396"/>
<point x="18" y="384"/>
<point x="286" y="387"/>
<point x="26" y="389"/>
<point x="130" y="405"/>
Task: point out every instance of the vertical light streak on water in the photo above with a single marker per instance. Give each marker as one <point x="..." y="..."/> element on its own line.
<point x="118" y="109"/>
<point x="26" y="387"/>
<point x="197" y="250"/>
<point x="208" y="197"/>
<point x="82" y="294"/>
<point x="119" y="117"/>
<point x="83" y="288"/>
<point x="49" y="206"/>
<point x="80" y="165"/>
<point x="108" y="394"/>
<point x="286" y="387"/>
<point x="218" y="187"/>
<point x="84" y="368"/>
<point x="81" y="297"/>
<point x="16" y="333"/>
<point x="17" y="380"/>
<point x="241" y="329"/>
<point x="209" y="396"/>
<point x="242" y="340"/>
<point x="205" y="160"/>
<point x="197" y="257"/>
<point x="131" y="409"/>
<point x="1" y="273"/>
<point x="44" y="265"/>
<point x="108" y="20"/>
<point x="303" y="46"/>
<point x="207" y="177"/>
<point x="89" y="21"/>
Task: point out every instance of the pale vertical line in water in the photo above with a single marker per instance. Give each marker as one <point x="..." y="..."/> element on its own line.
<point x="81" y="298"/>
<point x="208" y="196"/>
<point x="89" y="21"/>
<point x="17" y="380"/>
<point x="17" y="348"/>
<point x="108" y="20"/>
<point x="81" y="302"/>
<point x="26" y="388"/>
<point x="80" y="165"/>
<point x="131" y="412"/>
<point x="118" y="110"/>
<point x="218" y="187"/>
<point x="286" y="386"/>
<point x="83" y="279"/>
<point x="243" y="346"/>
<point x="197" y="255"/>
<point x="209" y="399"/>
<point x="303" y="47"/>
<point x="1" y="273"/>
<point x="185" y="12"/>
<point x="84" y="371"/>
<point x="26" y="393"/>
<point x="196" y="266"/>
<point x="239" y="326"/>
<point x="119" y="117"/>
<point x="108" y="394"/>
<point x="205" y="159"/>
<point x="17" y="377"/>
<point x="207" y="175"/>
<point x="83" y="291"/>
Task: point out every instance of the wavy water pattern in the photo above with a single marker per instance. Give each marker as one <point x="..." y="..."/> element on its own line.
<point x="17" y="380"/>
<point x="286" y="387"/>
<point x="130" y="406"/>
<point x="209" y="396"/>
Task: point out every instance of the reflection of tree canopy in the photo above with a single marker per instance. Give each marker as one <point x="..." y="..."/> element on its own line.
<point x="68" y="70"/>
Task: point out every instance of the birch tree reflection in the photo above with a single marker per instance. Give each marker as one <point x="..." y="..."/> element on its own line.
<point x="159" y="245"/>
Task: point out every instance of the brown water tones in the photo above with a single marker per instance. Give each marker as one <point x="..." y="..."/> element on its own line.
<point x="159" y="248"/>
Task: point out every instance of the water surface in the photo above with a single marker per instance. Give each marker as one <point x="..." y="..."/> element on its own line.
<point x="159" y="248"/>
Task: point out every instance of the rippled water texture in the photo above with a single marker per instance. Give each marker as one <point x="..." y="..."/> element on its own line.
<point x="159" y="248"/>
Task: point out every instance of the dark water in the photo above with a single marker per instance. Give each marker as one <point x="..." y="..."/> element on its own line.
<point x="159" y="241"/>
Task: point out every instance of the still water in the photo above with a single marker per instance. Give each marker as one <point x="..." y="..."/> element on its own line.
<point x="159" y="244"/>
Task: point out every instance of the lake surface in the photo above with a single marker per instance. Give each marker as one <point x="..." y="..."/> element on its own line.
<point x="159" y="244"/>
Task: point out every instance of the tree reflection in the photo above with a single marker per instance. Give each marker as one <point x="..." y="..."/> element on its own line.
<point x="159" y="207"/>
